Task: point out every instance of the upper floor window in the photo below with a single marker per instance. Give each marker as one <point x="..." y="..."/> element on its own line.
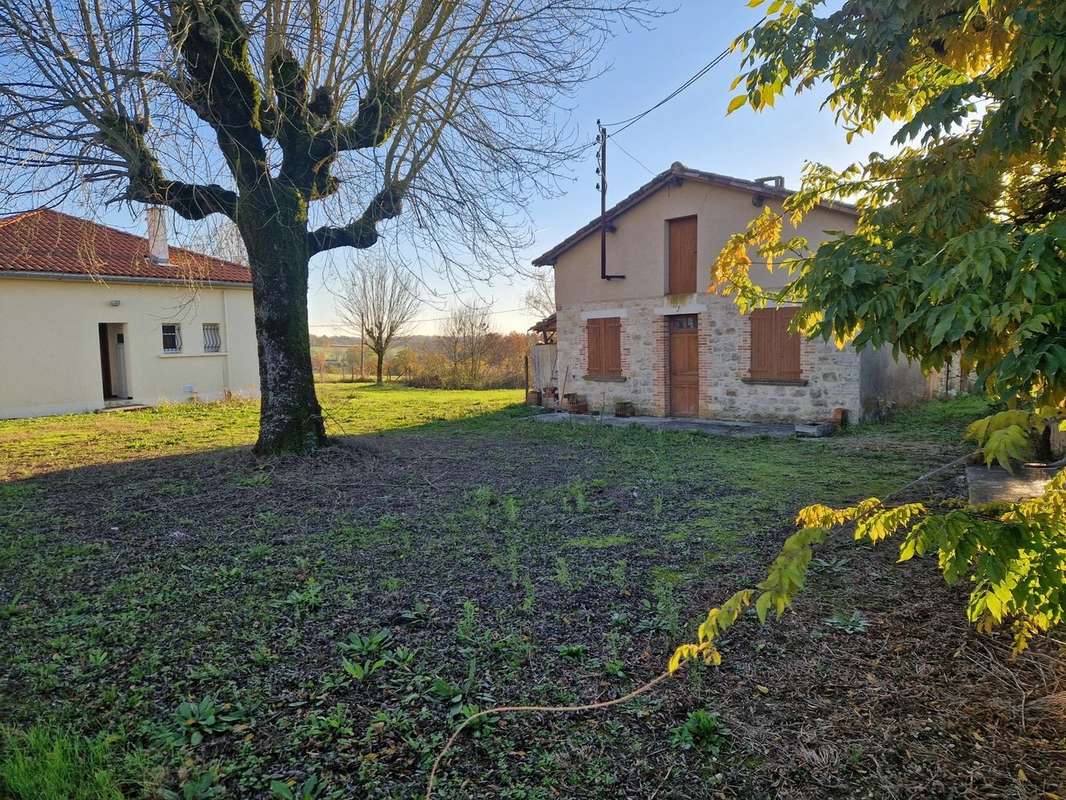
<point x="212" y="338"/>
<point x="171" y="338"/>
<point x="604" y="347"/>
<point x="681" y="255"/>
<point x="775" y="353"/>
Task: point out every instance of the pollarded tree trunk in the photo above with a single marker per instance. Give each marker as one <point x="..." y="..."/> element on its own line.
<point x="381" y="359"/>
<point x="274" y="233"/>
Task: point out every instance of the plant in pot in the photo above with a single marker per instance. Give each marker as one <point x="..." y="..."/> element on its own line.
<point x="1018" y="456"/>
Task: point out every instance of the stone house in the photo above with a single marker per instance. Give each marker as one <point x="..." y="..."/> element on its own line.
<point x="92" y="317"/>
<point x="640" y="325"/>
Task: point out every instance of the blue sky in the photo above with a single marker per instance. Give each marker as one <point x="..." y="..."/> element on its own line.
<point x="643" y="66"/>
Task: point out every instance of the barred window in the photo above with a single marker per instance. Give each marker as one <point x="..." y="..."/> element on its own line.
<point x="212" y="338"/>
<point x="171" y="338"/>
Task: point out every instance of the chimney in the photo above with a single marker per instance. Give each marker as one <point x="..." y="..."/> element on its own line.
<point x="158" y="252"/>
<point x="777" y="181"/>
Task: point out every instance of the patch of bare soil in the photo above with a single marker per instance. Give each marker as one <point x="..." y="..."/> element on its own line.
<point x="525" y="567"/>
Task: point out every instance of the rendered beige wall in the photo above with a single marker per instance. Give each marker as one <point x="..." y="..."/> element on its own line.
<point x="637" y="248"/>
<point x="50" y="355"/>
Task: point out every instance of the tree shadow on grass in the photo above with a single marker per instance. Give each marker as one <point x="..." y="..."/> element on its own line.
<point x="512" y="571"/>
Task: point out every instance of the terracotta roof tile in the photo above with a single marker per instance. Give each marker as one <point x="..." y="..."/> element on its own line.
<point x="53" y="242"/>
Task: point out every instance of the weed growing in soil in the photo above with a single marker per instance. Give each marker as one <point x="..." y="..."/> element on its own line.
<point x="121" y="595"/>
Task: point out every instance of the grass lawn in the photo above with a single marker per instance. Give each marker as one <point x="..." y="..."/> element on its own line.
<point x="182" y="618"/>
<point x="33" y="446"/>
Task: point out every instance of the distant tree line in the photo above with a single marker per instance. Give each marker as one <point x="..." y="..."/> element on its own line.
<point x="465" y="354"/>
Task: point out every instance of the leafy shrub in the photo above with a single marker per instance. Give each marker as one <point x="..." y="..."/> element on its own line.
<point x="310" y="789"/>
<point x="359" y="645"/>
<point x="195" y="721"/>
<point x="361" y="670"/>
<point x="200" y="787"/>
<point x="848" y="621"/>
<point x="703" y="730"/>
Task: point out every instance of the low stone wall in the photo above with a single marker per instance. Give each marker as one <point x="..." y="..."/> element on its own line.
<point x="831" y="375"/>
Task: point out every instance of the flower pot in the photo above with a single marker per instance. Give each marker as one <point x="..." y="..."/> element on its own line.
<point x="997" y="485"/>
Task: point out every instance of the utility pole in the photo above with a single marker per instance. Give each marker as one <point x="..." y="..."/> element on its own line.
<point x="601" y="172"/>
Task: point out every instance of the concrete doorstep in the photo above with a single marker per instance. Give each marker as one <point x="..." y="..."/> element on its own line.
<point x="713" y="427"/>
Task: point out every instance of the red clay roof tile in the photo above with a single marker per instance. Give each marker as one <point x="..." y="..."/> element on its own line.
<point x="53" y="242"/>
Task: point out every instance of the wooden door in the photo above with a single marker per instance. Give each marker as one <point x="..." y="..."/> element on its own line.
<point x="105" y="360"/>
<point x="684" y="366"/>
<point x="681" y="234"/>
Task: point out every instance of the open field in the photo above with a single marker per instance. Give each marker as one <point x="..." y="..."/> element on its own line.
<point x="344" y="612"/>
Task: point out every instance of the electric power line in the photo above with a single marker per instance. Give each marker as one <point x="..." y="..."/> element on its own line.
<point x="627" y="123"/>
<point x="633" y="158"/>
<point x="714" y="62"/>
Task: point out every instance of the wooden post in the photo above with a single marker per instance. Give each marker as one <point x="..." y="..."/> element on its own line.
<point x="527" y="374"/>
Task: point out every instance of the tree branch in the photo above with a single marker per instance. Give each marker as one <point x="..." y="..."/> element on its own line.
<point x="360" y="233"/>
<point x="190" y="200"/>
<point x="213" y="41"/>
<point x="373" y="123"/>
<point x="147" y="183"/>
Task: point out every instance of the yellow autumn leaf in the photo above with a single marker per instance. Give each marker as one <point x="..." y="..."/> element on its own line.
<point x="736" y="103"/>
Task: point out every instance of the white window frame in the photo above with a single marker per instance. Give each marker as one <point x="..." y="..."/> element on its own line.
<point x="176" y="333"/>
<point x="212" y="344"/>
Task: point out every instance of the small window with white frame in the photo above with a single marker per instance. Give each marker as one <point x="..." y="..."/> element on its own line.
<point x="212" y="337"/>
<point x="171" y="337"/>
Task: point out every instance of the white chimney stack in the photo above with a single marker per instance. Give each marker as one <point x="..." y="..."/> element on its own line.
<point x="158" y="251"/>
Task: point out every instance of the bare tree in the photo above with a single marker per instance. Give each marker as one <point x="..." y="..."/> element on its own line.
<point x="464" y="337"/>
<point x="220" y="238"/>
<point x="308" y="123"/>
<point x="380" y="304"/>
<point x="540" y="298"/>
<point x="319" y="359"/>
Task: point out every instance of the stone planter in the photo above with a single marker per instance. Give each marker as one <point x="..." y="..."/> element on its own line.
<point x="815" y="429"/>
<point x="996" y="485"/>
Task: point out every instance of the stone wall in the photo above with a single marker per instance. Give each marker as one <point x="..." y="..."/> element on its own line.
<point x="830" y="376"/>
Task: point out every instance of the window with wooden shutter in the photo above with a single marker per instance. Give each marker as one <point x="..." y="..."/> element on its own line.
<point x="681" y="271"/>
<point x="604" y="347"/>
<point x="775" y="353"/>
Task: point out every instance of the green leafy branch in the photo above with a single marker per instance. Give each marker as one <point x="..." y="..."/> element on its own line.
<point x="1013" y="554"/>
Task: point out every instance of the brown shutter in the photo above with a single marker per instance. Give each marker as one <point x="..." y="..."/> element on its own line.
<point x="595" y="346"/>
<point x="604" y="346"/>
<point x="681" y="234"/>
<point x="787" y="346"/>
<point x="612" y="346"/>
<point x="763" y="362"/>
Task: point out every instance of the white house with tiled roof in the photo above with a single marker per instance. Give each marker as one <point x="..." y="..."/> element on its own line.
<point x="93" y="317"/>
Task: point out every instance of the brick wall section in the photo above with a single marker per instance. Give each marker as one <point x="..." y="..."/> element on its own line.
<point x="725" y="350"/>
<point x="660" y="364"/>
<point x="707" y="398"/>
